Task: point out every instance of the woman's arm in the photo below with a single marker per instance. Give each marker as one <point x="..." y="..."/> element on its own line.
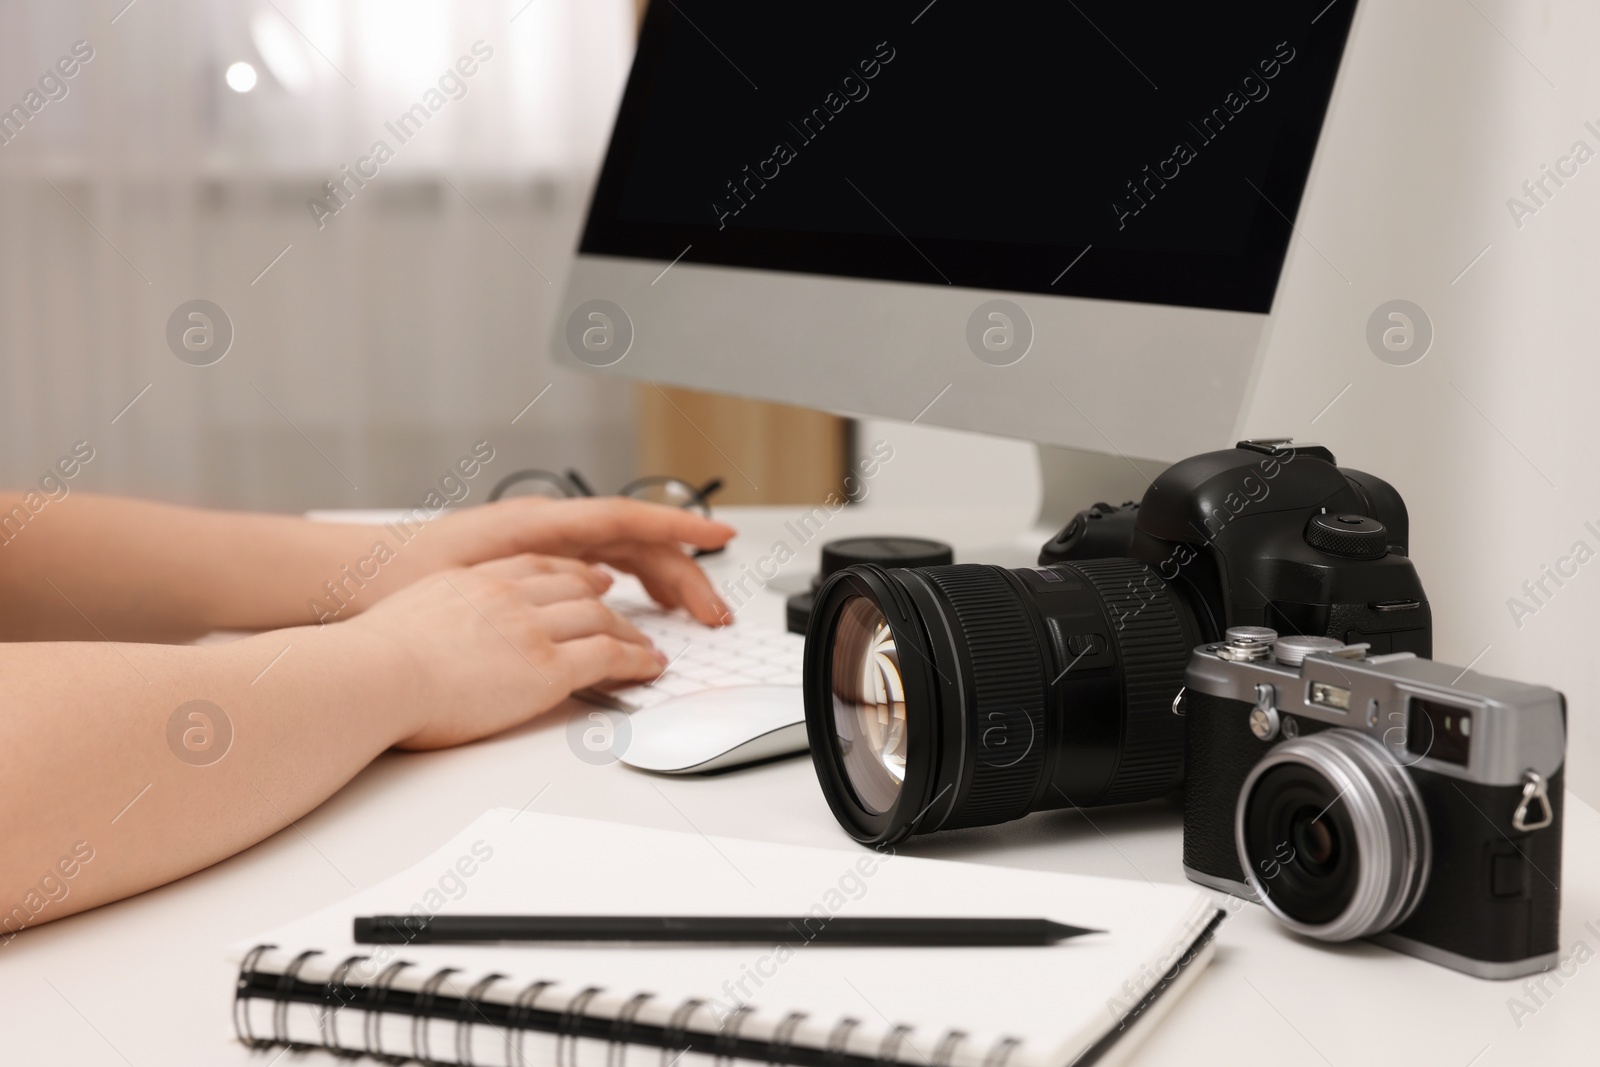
<point x="95" y="568"/>
<point x="124" y="766"/>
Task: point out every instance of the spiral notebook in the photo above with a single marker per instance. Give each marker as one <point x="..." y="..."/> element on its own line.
<point x="1078" y="1002"/>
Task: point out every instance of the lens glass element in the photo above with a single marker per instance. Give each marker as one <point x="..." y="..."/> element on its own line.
<point x="1296" y="827"/>
<point x="1020" y="689"/>
<point x="1316" y="840"/>
<point x="869" y="705"/>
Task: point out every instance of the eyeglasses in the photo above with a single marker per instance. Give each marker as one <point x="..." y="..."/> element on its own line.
<point x="654" y="489"/>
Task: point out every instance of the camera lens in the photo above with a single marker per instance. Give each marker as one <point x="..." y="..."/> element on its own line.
<point x="869" y="705"/>
<point x="945" y="697"/>
<point x="1332" y="837"/>
<point x="1316" y="840"/>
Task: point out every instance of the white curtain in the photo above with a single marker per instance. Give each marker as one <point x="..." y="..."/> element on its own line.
<point x="376" y="338"/>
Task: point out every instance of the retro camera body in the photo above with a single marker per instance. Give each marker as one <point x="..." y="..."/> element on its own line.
<point x="1385" y="797"/>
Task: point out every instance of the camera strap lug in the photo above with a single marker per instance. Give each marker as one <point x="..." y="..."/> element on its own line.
<point x="1177" y="701"/>
<point x="1533" y="790"/>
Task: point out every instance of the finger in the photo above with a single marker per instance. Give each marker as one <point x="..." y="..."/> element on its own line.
<point x="572" y="619"/>
<point x="589" y="661"/>
<point x="673" y="580"/>
<point x="543" y="589"/>
<point x="575" y="527"/>
<point x="626" y="559"/>
<point x="530" y="564"/>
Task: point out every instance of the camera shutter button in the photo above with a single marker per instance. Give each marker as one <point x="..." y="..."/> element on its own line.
<point x="1352" y="536"/>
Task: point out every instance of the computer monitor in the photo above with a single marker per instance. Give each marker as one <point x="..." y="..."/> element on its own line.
<point x="1058" y="221"/>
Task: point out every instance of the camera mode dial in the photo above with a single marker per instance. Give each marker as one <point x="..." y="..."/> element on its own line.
<point x="1352" y="536"/>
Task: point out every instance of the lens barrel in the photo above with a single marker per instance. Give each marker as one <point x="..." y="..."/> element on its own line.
<point x="1332" y="836"/>
<point x="956" y="696"/>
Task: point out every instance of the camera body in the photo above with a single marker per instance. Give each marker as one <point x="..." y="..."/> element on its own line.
<point x="954" y="696"/>
<point x="1388" y="797"/>
<point x="1273" y="534"/>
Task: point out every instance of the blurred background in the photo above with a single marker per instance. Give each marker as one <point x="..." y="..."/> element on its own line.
<point x="179" y="165"/>
<point x="374" y="338"/>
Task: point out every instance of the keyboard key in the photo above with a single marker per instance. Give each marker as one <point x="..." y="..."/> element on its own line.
<point x="766" y="672"/>
<point x="701" y="658"/>
<point x="678" y="685"/>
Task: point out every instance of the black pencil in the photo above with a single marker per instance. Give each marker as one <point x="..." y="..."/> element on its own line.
<point x="808" y="929"/>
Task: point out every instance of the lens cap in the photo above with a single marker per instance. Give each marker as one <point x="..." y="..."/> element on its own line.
<point x="885" y="552"/>
<point x="848" y="551"/>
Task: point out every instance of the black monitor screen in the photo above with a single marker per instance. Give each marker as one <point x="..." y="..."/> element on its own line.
<point x="1149" y="152"/>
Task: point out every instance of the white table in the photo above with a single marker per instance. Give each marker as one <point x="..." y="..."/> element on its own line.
<point x="144" y="982"/>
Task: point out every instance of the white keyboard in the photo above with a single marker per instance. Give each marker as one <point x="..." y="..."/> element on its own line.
<point x="701" y="658"/>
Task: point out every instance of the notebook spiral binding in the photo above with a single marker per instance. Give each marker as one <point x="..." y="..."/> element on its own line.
<point x="522" y="1008"/>
<point x="464" y="1020"/>
<point x="783" y="1036"/>
<point x="728" y="1039"/>
<point x="677" y="1035"/>
<point x="622" y="1025"/>
<point x="839" y="1038"/>
<point x="568" y="1023"/>
<point x="569" y="1026"/>
<point x="419" y="1019"/>
<point x="328" y="1021"/>
<point x="372" y="1037"/>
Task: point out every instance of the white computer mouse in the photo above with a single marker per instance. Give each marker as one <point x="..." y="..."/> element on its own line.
<point x="716" y="729"/>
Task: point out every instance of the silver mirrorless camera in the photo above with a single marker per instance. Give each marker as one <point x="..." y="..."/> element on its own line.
<point x="1386" y="797"/>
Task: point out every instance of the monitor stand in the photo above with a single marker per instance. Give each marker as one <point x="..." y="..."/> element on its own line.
<point x="1073" y="480"/>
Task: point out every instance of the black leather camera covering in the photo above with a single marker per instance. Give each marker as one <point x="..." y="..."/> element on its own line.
<point x="1219" y="752"/>
<point x="1493" y="892"/>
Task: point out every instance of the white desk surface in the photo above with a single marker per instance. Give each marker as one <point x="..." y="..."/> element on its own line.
<point x="144" y="982"/>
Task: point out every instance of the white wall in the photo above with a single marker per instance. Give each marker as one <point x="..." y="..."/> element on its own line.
<point x="1445" y="112"/>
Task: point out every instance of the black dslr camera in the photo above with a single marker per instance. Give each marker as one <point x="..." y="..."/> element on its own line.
<point x="1386" y="797"/>
<point x="942" y="697"/>
<point x="1273" y="534"/>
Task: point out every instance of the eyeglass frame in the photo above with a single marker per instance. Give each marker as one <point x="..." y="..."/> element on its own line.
<point x="573" y="485"/>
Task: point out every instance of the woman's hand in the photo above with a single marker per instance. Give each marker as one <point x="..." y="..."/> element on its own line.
<point x="85" y="727"/>
<point x="496" y="644"/>
<point x="473" y="625"/>
<point x="640" y="538"/>
<point x="103" y="568"/>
